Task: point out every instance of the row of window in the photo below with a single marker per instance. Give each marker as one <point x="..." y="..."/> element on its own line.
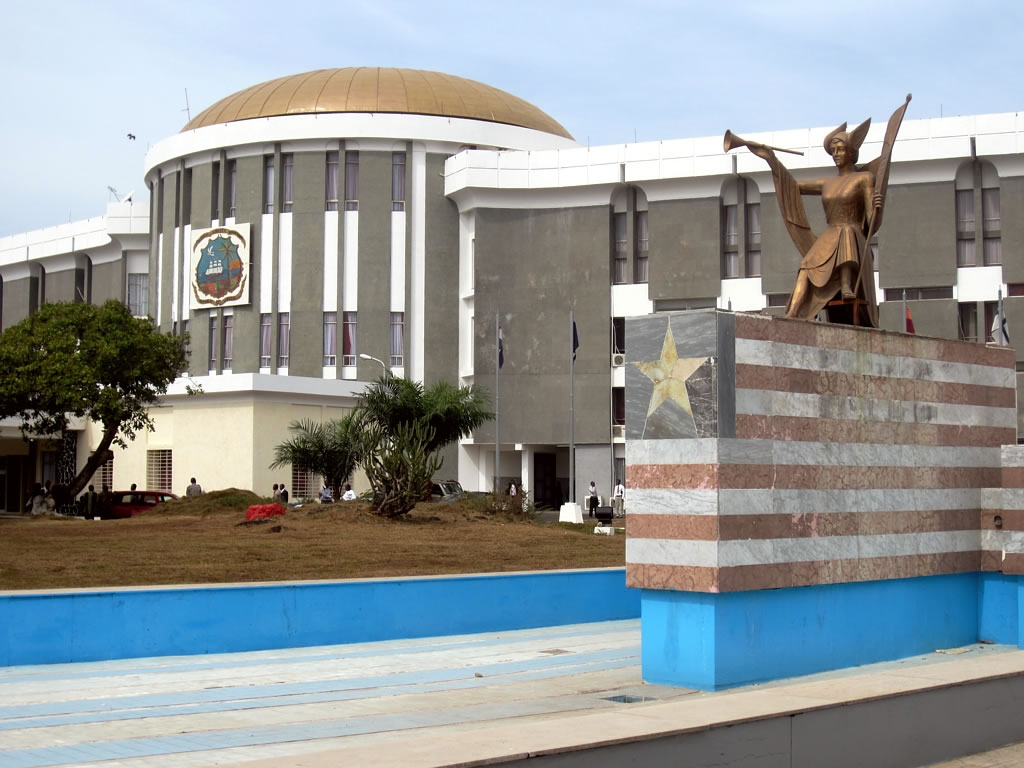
<point x="224" y="341"/>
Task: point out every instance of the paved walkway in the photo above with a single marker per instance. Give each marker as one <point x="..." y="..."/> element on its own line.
<point x="407" y="703"/>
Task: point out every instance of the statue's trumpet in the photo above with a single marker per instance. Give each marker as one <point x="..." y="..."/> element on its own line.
<point x="731" y="141"/>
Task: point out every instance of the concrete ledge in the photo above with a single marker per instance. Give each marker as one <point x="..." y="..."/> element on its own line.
<point x="92" y="625"/>
<point x="900" y="717"/>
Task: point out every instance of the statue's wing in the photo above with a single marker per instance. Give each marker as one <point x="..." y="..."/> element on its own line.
<point x="879" y="167"/>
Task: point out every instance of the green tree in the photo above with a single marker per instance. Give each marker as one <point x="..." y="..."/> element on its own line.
<point x="86" y="361"/>
<point x="330" y="449"/>
<point x="403" y="427"/>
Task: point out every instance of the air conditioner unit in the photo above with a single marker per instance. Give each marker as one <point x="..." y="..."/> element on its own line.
<point x="618" y="360"/>
<point x="618" y="431"/>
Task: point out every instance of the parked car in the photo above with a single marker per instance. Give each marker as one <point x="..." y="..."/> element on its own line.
<point x="448" y="491"/>
<point x="131" y="503"/>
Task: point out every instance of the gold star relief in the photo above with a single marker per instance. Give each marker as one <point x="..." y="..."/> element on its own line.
<point x="669" y="375"/>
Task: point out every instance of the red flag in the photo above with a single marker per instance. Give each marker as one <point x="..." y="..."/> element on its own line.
<point x="909" y="323"/>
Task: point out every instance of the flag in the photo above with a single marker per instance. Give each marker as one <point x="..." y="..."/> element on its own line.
<point x="501" y="348"/>
<point x="575" y="341"/>
<point x="909" y="323"/>
<point x="1000" y="335"/>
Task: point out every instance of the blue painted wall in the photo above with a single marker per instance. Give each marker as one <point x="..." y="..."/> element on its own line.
<point x="724" y="640"/>
<point x="998" y="620"/>
<point x="44" y="628"/>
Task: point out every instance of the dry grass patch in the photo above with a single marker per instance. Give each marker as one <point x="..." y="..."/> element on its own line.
<point x="206" y="540"/>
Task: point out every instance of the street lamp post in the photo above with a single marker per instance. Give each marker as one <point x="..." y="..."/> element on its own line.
<point x="384" y="368"/>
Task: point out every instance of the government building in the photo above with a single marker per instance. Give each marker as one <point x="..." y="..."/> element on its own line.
<point x="312" y="231"/>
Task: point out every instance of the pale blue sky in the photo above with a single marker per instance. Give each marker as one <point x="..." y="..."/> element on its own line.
<point x="78" y="76"/>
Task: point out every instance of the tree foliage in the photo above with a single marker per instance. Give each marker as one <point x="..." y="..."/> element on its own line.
<point x="86" y="361"/>
<point x="330" y="449"/>
<point x="399" y="465"/>
<point x="403" y="427"/>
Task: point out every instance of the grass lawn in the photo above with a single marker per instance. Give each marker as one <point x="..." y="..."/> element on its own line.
<point x="206" y="540"/>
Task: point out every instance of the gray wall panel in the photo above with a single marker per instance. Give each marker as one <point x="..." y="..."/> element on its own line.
<point x="441" y="321"/>
<point x="248" y="206"/>
<point x="533" y="266"/>
<point x="106" y="283"/>
<point x="17" y="300"/>
<point x="60" y="286"/>
<point x="373" y="329"/>
<point x="166" y="277"/>
<point x="1011" y="198"/>
<point x="594" y="462"/>
<point x="917" y="242"/>
<point x="685" y="248"/>
<point x="932" y="317"/>
<point x="202" y="197"/>
<point x="307" y="265"/>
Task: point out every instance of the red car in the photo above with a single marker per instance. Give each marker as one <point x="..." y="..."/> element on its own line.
<point x="131" y="503"/>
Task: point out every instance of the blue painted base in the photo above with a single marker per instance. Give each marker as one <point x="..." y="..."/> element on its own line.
<point x="715" y="641"/>
<point x="53" y="627"/>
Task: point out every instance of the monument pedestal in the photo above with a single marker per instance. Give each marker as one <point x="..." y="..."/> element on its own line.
<point x="806" y="497"/>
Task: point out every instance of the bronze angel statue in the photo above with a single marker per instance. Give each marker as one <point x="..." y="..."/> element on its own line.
<point x="836" y="268"/>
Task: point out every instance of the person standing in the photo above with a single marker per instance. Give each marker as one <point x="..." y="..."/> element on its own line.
<point x="277" y="493"/>
<point x="194" y="489"/>
<point x="284" y="494"/>
<point x="592" y="498"/>
<point x="619" y="499"/>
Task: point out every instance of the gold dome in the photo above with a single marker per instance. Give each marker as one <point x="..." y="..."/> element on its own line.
<point x="380" y="90"/>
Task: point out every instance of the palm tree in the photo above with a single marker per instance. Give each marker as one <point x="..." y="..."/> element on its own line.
<point x="330" y="449"/>
<point x="403" y="427"/>
<point x="451" y="412"/>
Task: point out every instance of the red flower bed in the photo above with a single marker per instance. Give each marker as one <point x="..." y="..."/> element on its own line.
<point x="262" y="511"/>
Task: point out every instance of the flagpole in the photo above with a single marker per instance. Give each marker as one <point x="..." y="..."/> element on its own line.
<point x="904" y="310"/>
<point x="1001" y="337"/>
<point x="497" y="367"/>
<point x="572" y="414"/>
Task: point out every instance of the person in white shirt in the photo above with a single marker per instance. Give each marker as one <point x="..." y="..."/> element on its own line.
<point x="349" y="494"/>
<point x="619" y="499"/>
<point x="592" y="498"/>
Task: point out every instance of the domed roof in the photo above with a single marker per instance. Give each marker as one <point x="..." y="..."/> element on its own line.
<point x="381" y="90"/>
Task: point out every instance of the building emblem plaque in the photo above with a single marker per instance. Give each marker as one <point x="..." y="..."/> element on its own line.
<point x="220" y="266"/>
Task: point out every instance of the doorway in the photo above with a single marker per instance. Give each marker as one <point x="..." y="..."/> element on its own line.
<point x="545" y="491"/>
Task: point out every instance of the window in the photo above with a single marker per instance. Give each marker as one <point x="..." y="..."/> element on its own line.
<point x="159" y="474"/>
<point x="348" y="340"/>
<point x="138" y="294"/>
<point x="265" y="340"/>
<point x="215" y="192"/>
<point x="778" y="299"/>
<point x="287" y="182"/>
<point x="618" y="335"/>
<point x="753" y="254"/>
<point x="330" y="338"/>
<point x="965" y="255"/>
<point x="229" y="332"/>
<point x="232" y="186"/>
<point x="919" y="294"/>
<point x="283" y="339"/>
<point x="331" y="193"/>
<point x="213" y="342"/>
<point x="991" y="308"/>
<point x="991" y="244"/>
<point x="730" y="242"/>
<point x="304" y="484"/>
<point x="968" y="321"/>
<point x="351" y="181"/>
<point x="268" y="184"/>
<point x="397" y="339"/>
<point x="186" y="197"/>
<point x="398" y="181"/>
<point x="618" y="406"/>
<point x="619" y="233"/>
<point x="104" y="476"/>
<point x="640" y="257"/>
